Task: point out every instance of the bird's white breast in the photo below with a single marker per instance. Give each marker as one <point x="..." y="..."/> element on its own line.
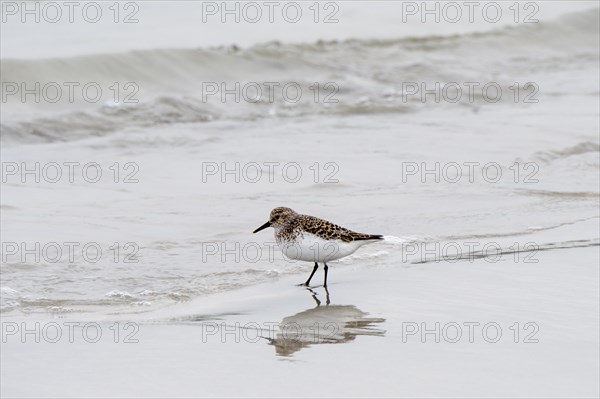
<point x="311" y="248"/>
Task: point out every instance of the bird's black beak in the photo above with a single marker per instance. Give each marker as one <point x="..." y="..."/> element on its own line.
<point x="264" y="226"/>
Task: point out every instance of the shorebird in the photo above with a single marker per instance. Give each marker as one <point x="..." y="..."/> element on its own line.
<point x="310" y="239"/>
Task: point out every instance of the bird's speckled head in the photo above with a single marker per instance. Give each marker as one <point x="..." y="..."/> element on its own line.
<point x="278" y="218"/>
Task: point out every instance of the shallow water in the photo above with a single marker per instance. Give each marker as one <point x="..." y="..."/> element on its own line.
<point x="186" y="180"/>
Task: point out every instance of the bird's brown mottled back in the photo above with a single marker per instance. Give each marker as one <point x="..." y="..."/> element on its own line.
<point x="322" y="228"/>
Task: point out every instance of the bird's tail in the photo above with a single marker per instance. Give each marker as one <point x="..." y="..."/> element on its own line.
<point x="360" y="237"/>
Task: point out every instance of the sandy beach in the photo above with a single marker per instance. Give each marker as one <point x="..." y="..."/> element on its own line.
<point x="140" y="151"/>
<point x="274" y="339"/>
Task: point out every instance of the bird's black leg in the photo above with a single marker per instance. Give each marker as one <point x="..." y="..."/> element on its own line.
<point x="326" y="268"/>
<point x="312" y="274"/>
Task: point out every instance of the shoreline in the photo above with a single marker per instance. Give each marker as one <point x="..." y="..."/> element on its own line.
<point x="189" y="349"/>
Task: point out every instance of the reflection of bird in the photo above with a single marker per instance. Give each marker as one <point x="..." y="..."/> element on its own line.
<point x="314" y="296"/>
<point x="330" y="324"/>
<point x="307" y="238"/>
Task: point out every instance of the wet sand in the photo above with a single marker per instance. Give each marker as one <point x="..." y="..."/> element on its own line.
<point x="279" y="339"/>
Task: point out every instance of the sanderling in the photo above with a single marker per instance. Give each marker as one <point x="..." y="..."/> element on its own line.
<point x="307" y="238"/>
